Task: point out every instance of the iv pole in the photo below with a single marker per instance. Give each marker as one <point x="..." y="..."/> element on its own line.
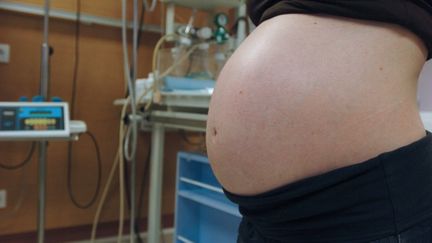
<point x="134" y="123"/>
<point x="44" y="84"/>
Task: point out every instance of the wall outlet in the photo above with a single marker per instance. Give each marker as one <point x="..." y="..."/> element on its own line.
<point x="3" y="199"/>
<point x="4" y="53"/>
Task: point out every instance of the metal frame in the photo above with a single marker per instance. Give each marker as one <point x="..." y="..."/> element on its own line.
<point x="44" y="84"/>
<point x="71" y="16"/>
<point x="157" y="146"/>
<point x="205" y="5"/>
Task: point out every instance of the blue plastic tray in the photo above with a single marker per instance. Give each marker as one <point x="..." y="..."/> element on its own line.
<point x="179" y="83"/>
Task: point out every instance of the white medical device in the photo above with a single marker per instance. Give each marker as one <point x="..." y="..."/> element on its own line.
<point x="34" y="120"/>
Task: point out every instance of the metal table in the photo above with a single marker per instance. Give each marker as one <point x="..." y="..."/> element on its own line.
<point x="178" y="110"/>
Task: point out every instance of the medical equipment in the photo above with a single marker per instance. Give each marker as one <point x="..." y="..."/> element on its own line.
<point x="44" y="84"/>
<point x="130" y="75"/>
<point x="221" y="34"/>
<point x="39" y="121"/>
<point x="34" y="120"/>
<point x="188" y="40"/>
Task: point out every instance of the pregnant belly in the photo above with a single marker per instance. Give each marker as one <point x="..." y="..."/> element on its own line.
<point x="307" y="94"/>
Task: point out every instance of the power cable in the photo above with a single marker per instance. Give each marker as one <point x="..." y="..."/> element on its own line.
<point x="144" y="176"/>
<point x="150" y="8"/>
<point x="118" y="161"/>
<point x="69" y="175"/>
<point x="92" y="137"/>
<point x="140" y="26"/>
<point x="141" y="193"/>
<point x="77" y="57"/>
<point x="23" y="163"/>
<point x="128" y="203"/>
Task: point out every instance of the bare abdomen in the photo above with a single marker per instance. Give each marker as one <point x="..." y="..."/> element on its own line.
<point x="307" y="94"/>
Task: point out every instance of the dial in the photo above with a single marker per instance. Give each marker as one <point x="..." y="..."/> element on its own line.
<point x="221" y="19"/>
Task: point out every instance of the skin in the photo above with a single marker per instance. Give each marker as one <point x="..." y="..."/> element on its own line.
<point x="306" y="94"/>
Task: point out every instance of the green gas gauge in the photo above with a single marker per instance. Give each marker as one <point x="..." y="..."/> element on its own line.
<point x="221" y="20"/>
<point x="221" y="33"/>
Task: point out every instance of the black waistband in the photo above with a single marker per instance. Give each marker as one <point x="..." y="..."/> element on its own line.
<point x="366" y="201"/>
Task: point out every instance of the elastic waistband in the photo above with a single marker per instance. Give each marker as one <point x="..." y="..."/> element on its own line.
<point x="381" y="196"/>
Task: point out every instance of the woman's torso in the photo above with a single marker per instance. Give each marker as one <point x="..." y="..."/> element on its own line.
<point x="305" y="94"/>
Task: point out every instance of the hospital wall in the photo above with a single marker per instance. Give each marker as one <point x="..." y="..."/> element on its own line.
<point x="425" y="88"/>
<point x="100" y="82"/>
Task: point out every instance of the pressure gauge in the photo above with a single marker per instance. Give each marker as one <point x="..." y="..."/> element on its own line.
<point x="221" y="19"/>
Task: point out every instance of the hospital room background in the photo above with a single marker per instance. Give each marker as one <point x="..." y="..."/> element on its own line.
<point x="129" y="142"/>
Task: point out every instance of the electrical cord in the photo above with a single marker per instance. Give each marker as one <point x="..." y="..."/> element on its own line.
<point x="113" y="170"/>
<point x="128" y="203"/>
<point x="77" y="57"/>
<point x="141" y="24"/>
<point x="128" y="75"/>
<point x="121" y="181"/>
<point x="24" y="162"/>
<point x="143" y="179"/>
<point x="144" y="176"/>
<point x="92" y="137"/>
<point x="127" y="188"/>
<point x="69" y="175"/>
<point x="141" y="192"/>
<point x="127" y="154"/>
<point x="150" y="8"/>
<point x="117" y="163"/>
<point x="118" y="160"/>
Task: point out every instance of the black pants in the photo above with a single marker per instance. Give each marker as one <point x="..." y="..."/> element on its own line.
<point x="387" y="197"/>
<point x="421" y="233"/>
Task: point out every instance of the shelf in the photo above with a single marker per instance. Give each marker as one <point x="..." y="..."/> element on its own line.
<point x="70" y="15"/>
<point x="189" y="157"/>
<point x="203" y="212"/>
<point x="207" y="4"/>
<point x="184" y="239"/>
<point x="195" y="99"/>
<point x="202" y="185"/>
<point x="211" y="200"/>
<point x="190" y="99"/>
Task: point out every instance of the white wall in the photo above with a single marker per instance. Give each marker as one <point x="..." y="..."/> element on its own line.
<point x="425" y="88"/>
<point x="425" y="95"/>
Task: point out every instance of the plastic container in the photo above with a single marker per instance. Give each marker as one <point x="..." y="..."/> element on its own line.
<point x="142" y="86"/>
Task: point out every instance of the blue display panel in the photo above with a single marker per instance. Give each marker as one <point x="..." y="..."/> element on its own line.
<point x="31" y="118"/>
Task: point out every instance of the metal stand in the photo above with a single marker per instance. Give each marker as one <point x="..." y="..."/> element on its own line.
<point x="134" y="123"/>
<point x="44" y="84"/>
<point x="42" y="186"/>
<point x="156" y="174"/>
